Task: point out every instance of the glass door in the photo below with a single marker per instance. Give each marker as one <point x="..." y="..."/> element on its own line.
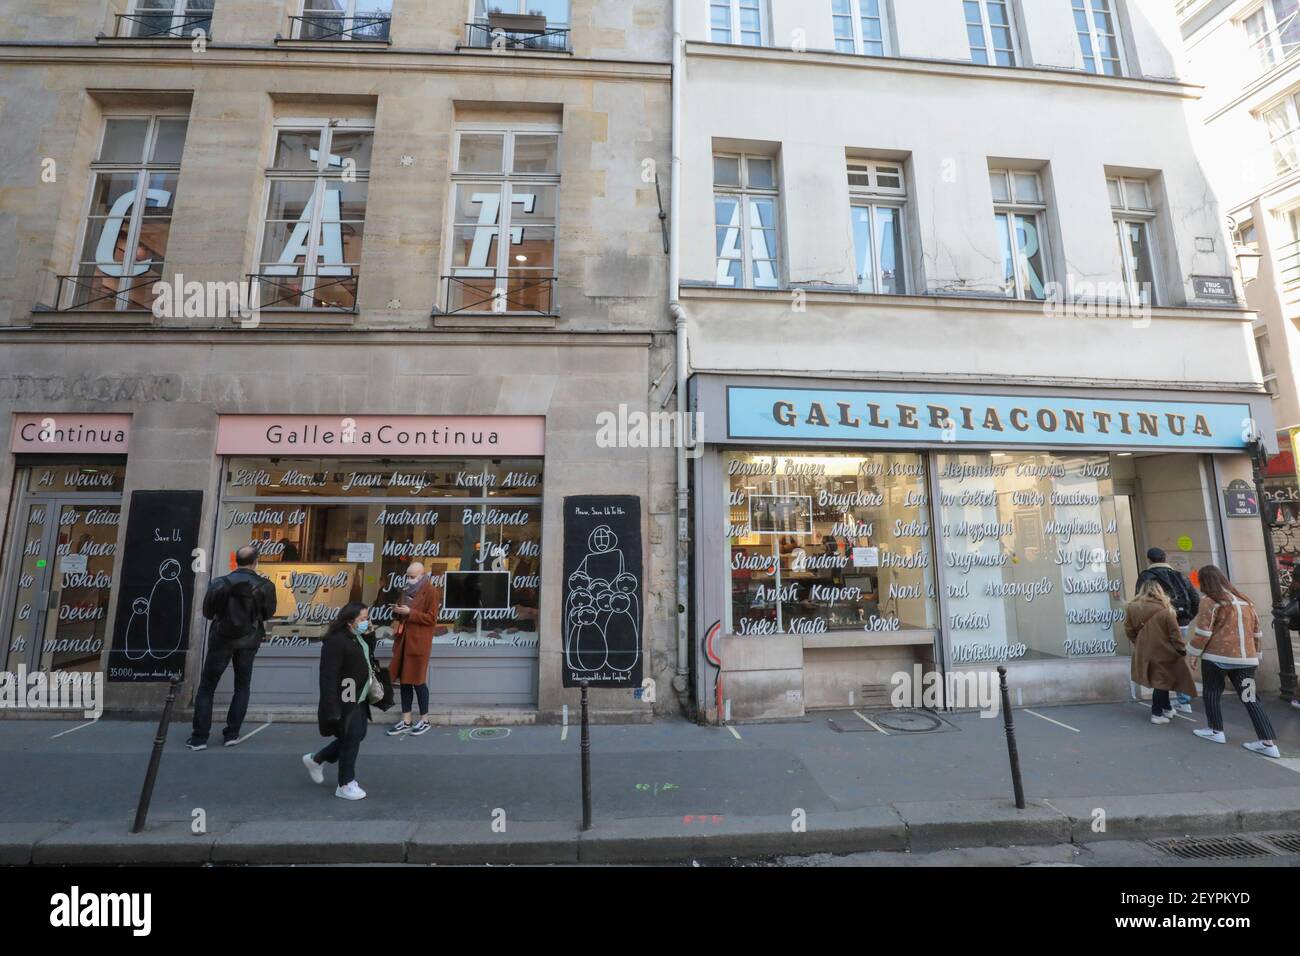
<point x="64" y="554"/>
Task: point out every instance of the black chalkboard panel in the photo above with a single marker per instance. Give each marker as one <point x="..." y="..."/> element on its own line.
<point x="603" y="604"/>
<point x="155" y="598"/>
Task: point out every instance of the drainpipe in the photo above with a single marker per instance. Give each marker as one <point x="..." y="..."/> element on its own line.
<point x="681" y="682"/>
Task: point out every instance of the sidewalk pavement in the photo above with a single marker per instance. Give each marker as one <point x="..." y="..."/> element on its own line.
<point x="665" y="791"/>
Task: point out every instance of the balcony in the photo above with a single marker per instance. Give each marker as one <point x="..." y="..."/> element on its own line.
<point x="1288" y="264"/>
<point x="499" y="295"/>
<point x="337" y="28"/>
<point x="303" y="293"/>
<point x="98" y="292"/>
<point x="508" y="31"/>
<point x="163" y="26"/>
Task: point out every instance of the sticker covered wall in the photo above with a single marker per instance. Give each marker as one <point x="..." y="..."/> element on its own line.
<point x="156" y="596"/>
<point x="603" y="605"/>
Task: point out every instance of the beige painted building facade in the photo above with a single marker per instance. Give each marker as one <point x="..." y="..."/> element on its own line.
<point x="917" y="240"/>
<point x="454" y="229"/>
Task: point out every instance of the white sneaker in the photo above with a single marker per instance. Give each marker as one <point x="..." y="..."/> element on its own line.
<point x="1205" y="733"/>
<point x="1184" y="708"/>
<point x="313" y="768"/>
<point x="1295" y="704"/>
<point x="350" y="792"/>
<point x="1169" y="713"/>
<point x="1160" y="719"/>
<point x="1268" y="750"/>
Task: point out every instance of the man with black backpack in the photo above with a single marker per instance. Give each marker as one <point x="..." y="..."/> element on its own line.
<point x="1182" y="596"/>
<point x="238" y="605"/>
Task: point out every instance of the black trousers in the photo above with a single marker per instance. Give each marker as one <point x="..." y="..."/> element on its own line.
<point x="344" y="748"/>
<point x="219" y="658"/>
<point x="1212" y="677"/>
<point x="1159" y="701"/>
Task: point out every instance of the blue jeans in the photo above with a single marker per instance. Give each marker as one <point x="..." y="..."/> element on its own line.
<point x="219" y="658"/>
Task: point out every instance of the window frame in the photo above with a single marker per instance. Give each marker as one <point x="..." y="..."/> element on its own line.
<point x="1267" y="370"/>
<point x="503" y="180"/>
<point x="986" y="26"/>
<point x="1281" y="164"/>
<point x="142" y="170"/>
<point x="1275" y="49"/>
<point x="733" y="28"/>
<point x="874" y="197"/>
<point x="856" y="18"/>
<point x="1013" y="208"/>
<point x="179" y="15"/>
<point x="347" y="22"/>
<point x="1125" y="216"/>
<point x="745" y="194"/>
<point x="271" y="175"/>
<point x="1112" y="9"/>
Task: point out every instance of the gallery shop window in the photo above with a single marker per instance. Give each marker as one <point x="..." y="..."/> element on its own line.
<point x="738" y="21"/>
<point x="745" y="221"/>
<point x="860" y="26"/>
<point x="332" y="531"/>
<point x="315" y="214"/>
<point x="1038" y="556"/>
<point x="506" y="186"/>
<point x="344" y="20"/>
<point x="1282" y="126"/>
<point x="991" y="31"/>
<point x="877" y="195"/>
<point x="1131" y="205"/>
<point x="1019" y="213"/>
<point x="132" y="194"/>
<point x="1099" y="41"/>
<point x="167" y="18"/>
<point x="1273" y="31"/>
<point x="828" y="542"/>
<point x="510" y="19"/>
<point x="61" y="562"/>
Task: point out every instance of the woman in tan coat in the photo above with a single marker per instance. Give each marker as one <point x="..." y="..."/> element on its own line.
<point x="416" y="617"/>
<point x="1159" y="654"/>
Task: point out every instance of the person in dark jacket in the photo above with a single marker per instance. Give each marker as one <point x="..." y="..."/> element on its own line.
<point x="347" y="657"/>
<point x="1182" y="596"/>
<point x="238" y="605"/>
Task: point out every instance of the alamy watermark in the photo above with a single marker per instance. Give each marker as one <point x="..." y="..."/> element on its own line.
<point x="961" y="690"/>
<point x="637" y="429"/>
<point x="1084" y="299"/>
<point x="179" y="299"/>
<point x="53" y="690"/>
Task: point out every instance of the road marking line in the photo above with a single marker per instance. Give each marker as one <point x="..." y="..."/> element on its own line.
<point x="1290" y="763"/>
<point x="564" y="732"/>
<point x="78" y="727"/>
<point x="256" y="730"/>
<point x="1185" y="717"/>
<point x="873" y="724"/>
<point x="735" y="733"/>
<point x="1051" y="721"/>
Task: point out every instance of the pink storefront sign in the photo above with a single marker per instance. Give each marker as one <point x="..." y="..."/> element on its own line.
<point x="61" y="433"/>
<point x="387" y="435"/>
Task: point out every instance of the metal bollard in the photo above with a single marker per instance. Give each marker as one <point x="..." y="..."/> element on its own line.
<point x="142" y="810"/>
<point x="586" y="761"/>
<point x="1011" y="739"/>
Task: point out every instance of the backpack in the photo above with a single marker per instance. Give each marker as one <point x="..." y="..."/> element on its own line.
<point x="231" y="604"/>
<point x="1181" y="598"/>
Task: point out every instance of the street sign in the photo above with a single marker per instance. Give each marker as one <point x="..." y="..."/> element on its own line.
<point x="1239" y="500"/>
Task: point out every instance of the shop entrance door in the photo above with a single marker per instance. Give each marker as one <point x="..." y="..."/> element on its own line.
<point x="64" y="552"/>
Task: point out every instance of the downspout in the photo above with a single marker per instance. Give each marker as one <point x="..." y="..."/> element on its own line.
<point x="681" y="682"/>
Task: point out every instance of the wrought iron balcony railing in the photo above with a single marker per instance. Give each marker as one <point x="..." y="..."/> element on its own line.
<point x="500" y="295"/>
<point x="362" y="28"/>
<point x="1288" y="263"/>
<point x="483" y="36"/>
<point x="99" y="292"/>
<point x="159" y="26"/>
<point x="306" y="292"/>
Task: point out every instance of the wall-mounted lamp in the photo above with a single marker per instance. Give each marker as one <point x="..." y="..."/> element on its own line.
<point x="1248" y="263"/>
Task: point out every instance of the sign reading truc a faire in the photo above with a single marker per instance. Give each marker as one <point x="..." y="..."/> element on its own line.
<point x="949" y="418"/>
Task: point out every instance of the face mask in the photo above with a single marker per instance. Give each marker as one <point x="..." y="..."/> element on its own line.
<point x="412" y="582"/>
<point x="362" y="627"/>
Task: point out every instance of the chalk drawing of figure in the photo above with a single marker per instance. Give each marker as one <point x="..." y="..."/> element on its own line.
<point x="137" y="630"/>
<point x="166" y="611"/>
<point x="601" y="620"/>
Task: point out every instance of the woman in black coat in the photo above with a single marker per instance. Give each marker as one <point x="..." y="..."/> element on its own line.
<point x="346" y="670"/>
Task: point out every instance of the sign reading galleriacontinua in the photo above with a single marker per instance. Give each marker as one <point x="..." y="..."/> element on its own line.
<point x="954" y="418"/>
<point x="155" y="600"/>
<point x="602" y="590"/>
